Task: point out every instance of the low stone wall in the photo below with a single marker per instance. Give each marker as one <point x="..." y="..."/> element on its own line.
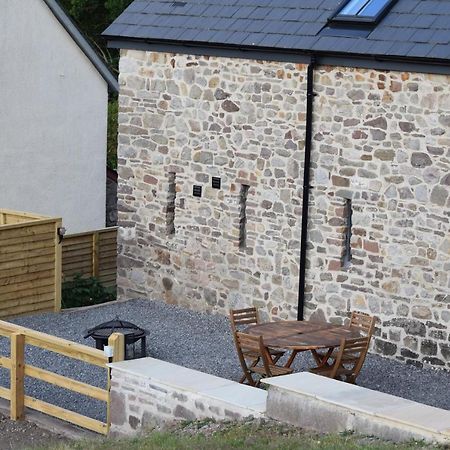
<point x="148" y="391"/>
<point x="319" y="403"/>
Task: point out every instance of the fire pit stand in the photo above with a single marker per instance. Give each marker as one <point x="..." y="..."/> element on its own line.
<point x="132" y="333"/>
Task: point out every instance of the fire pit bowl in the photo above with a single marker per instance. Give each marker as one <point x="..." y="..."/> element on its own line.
<point x="132" y="334"/>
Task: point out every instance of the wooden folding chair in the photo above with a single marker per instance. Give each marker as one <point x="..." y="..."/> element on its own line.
<point x="245" y="317"/>
<point x="349" y="360"/>
<point x="358" y="320"/>
<point x="363" y="322"/>
<point x="247" y="343"/>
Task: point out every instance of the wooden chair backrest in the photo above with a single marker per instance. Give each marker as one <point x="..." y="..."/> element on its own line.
<point x="249" y="343"/>
<point x="239" y="317"/>
<point x="352" y="354"/>
<point x="363" y="322"/>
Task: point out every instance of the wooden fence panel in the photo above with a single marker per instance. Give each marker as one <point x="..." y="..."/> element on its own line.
<point x="19" y="337"/>
<point x="91" y="254"/>
<point x="29" y="263"/>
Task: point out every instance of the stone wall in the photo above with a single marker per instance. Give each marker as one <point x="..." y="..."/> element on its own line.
<point x="182" y="121"/>
<point x="381" y="140"/>
<point x="147" y="392"/>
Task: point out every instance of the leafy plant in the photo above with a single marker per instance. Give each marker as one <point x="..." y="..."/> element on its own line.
<point x="111" y="156"/>
<point x="84" y="291"/>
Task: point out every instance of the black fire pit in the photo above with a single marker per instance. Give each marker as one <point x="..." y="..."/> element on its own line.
<point x="132" y="334"/>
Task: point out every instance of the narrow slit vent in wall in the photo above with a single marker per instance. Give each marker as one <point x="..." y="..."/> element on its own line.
<point x="243" y="215"/>
<point x="171" y="196"/>
<point x="347" y="257"/>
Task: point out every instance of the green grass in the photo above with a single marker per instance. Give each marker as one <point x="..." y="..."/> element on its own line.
<point x="248" y="436"/>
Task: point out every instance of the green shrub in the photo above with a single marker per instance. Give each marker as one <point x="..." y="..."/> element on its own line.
<point x="113" y="112"/>
<point x="83" y="291"/>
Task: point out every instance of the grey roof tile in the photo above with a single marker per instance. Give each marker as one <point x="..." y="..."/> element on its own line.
<point x="439" y="51"/>
<point x="441" y="37"/>
<point x="188" y="35"/>
<point x="244" y="12"/>
<point x="423" y="35"/>
<point x="288" y="41"/>
<point x="238" y="37"/>
<point x="420" y="50"/>
<point x="400" y="48"/>
<point x="442" y="22"/>
<point x="406" y="7"/>
<point x="261" y="13"/>
<point x="270" y="40"/>
<point x="423" y="21"/>
<point x="413" y="28"/>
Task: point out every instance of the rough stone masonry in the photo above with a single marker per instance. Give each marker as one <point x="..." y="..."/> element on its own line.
<point x="379" y="223"/>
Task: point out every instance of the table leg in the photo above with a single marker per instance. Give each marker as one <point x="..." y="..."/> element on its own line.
<point x="291" y="358"/>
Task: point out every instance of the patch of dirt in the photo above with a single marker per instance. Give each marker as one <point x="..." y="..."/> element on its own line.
<point x="211" y="427"/>
<point x="20" y="435"/>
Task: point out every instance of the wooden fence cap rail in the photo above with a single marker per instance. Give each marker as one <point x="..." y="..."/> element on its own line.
<point x="10" y="212"/>
<point x="56" y="344"/>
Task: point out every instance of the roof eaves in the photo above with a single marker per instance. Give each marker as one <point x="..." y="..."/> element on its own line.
<point x="82" y="42"/>
<point x="354" y="55"/>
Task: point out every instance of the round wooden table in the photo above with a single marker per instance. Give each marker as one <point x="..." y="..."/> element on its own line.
<point x="300" y="336"/>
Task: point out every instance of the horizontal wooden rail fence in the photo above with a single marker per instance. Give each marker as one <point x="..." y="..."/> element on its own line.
<point x="30" y="263"/>
<point x="92" y="254"/>
<point x="19" y="369"/>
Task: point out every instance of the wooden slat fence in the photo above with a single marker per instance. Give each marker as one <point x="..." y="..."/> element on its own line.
<point x="19" y="369"/>
<point x="93" y="254"/>
<point x="8" y="217"/>
<point x="30" y="263"/>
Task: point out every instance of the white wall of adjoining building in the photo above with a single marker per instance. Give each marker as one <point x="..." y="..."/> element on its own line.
<point x="53" y="120"/>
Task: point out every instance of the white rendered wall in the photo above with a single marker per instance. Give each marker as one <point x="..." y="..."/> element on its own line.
<point x="53" y="119"/>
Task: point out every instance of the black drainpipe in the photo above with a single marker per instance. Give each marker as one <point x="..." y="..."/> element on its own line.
<point x="306" y="187"/>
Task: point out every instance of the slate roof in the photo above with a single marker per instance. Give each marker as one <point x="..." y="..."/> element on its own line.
<point x="412" y="28"/>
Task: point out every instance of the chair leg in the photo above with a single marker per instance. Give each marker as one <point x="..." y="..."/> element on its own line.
<point x="322" y="360"/>
<point x="276" y="358"/>
<point x="247" y="375"/>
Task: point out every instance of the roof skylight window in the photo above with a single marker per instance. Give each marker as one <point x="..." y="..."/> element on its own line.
<point x="366" y="11"/>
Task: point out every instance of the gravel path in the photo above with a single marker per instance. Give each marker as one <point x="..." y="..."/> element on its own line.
<point x="195" y="340"/>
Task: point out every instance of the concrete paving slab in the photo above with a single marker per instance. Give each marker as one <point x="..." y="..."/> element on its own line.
<point x="418" y="415"/>
<point x="309" y="384"/>
<point x="170" y="374"/>
<point x="239" y="394"/>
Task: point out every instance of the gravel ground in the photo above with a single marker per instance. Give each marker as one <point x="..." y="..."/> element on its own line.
<point x="196" y="340"/>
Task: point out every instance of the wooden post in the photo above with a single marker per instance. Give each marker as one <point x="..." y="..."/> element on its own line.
<point x="17" y="376"/>
<point x="117" y="342"/>
<point x="95" y="254"/>
<point x="58" y="266"/>
<point x="2" y="219"/>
